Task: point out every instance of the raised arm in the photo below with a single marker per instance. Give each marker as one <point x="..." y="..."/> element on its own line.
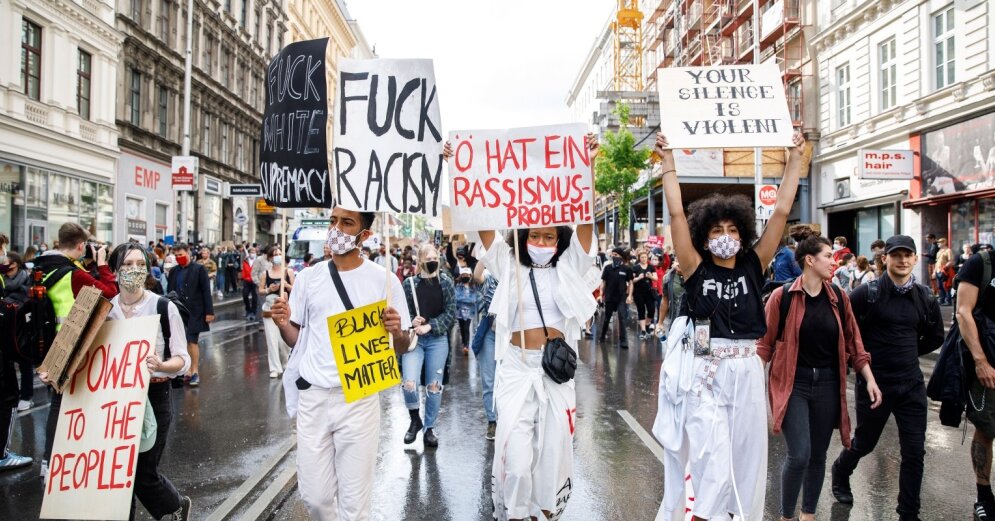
<point x="585" y="232"/>
<point x="766" y="247"/>
<point x="687" y="255"/>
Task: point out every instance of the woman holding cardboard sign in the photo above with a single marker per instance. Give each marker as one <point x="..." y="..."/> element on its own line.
<point x="712" y="414"/>
<point x="540" y="310"/>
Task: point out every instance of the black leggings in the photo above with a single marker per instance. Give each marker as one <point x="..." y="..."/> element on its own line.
<point x="644" y="304"/>
<point x="464" y="331"/>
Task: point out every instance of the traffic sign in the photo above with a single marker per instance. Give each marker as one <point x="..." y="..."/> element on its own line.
<point x="184" y="173"/>
<point x="766" y="199"/>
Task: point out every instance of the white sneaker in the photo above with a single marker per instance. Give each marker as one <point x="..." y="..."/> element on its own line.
<point x="273" y="374"/>
<point x="24" y="405"/>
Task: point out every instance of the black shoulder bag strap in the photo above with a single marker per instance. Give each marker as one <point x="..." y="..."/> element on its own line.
<point x="535" y="294"/>
<point x="162" y="307"/>
<point x="333" y="270"/>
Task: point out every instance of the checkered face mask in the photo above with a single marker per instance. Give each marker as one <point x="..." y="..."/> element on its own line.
<point x="339" y="242"/>
<point x="724" y="246"/>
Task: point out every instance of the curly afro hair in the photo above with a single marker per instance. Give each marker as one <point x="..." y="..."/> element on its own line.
<point x="709" y="211"/>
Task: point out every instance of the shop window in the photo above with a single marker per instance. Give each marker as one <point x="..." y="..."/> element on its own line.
<point x="63" y="203"/>
<point x="986" y="221"/>
<point x="105" y="213"/>
<point x="873" y="224"/>
<point x="161" y="220"/>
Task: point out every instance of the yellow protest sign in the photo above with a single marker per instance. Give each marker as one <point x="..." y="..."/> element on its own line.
<point x="366" y="363"/>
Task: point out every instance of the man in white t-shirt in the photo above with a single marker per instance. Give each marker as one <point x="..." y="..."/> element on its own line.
<point x="337" y="441"/>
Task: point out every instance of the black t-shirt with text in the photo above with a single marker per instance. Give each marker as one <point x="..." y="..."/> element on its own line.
<point x="972" y="272"/>
<point x="616" y="281"/>
<point x="730" y="298"/>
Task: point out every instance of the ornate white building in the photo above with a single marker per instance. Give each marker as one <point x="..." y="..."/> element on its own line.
<point x="58" y="140"/>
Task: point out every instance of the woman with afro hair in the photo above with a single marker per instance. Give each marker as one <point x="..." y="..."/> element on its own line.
<point x="717" y="427"/>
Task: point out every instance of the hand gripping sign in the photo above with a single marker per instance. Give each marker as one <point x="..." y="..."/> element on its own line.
<point x="520" y="178"/>
<point x="724" y="106"/>
<point x="92" y="469"/>
<point x="388" y="143"/>
<point x="366" y="362"/>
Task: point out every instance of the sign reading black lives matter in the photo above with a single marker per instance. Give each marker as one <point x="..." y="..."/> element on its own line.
<point x="388" y="139"/>
<point x="293" y="157"/>
<point x="724" y="106"/>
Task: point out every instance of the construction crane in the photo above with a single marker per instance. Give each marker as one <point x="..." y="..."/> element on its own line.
<point x="628" y="31"/>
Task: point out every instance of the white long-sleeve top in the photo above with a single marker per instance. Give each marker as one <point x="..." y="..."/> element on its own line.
<point x="178" y="335"/>
<point x="573" y="294"/>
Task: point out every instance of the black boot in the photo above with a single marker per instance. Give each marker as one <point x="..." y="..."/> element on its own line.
<point x="416" y="425"/>
<point x="430" y="439"/>
<point x="841" y="485"/>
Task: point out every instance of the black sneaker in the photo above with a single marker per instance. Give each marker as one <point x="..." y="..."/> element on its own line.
<point x="841" y="485"/>
<point x="183" y="513"/>
<point x="491" y="431"/>
<point x="430" y="439"/>
<point x="981" y="511"/>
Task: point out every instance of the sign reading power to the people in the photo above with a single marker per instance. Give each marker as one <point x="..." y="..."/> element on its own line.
<point x="766" y="200"/>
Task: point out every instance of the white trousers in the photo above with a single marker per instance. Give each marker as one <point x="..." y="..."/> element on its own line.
<point x="337" y="453"/>
<point x="276" y="348"/>
<point x="724" y="445"/>
<point x="533" y="451"/>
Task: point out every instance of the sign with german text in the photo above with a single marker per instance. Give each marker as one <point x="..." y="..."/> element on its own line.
<point x="885" y="164"/>
<point x="366" y="363"/>
<point x="520" y="178"/>
<point x="251" y="190"/>
<point x="388" y="140"/>
<point x="766" y="199"/>
<point x="655" y="241"/>
<point x="724" y="106"/>
<point x="95" y="453"/>
<point x="293" y="157"/>
<point x="184" y="172"/>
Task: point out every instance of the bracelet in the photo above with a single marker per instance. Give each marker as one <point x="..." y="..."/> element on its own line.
<point x="668" y="172"/>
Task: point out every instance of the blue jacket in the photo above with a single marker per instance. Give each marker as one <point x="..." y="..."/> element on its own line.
<point x="785" y="267"/>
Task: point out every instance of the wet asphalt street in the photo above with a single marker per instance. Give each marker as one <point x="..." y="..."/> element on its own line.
<point x="231" y="447"/>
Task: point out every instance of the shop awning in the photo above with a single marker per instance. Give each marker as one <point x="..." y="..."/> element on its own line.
<point x="950" y="198"/>
<point x="843" y="205"/>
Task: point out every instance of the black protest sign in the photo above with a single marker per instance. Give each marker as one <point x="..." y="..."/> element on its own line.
<point x="293" y="155"/>
<point x="388" y="137"/>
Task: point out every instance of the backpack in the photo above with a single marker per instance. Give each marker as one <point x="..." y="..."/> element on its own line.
<point x="12" y="325"/>
<point x="921" y="297"/>
<point x="37" y="316"/>
<point x="162" y="308"/>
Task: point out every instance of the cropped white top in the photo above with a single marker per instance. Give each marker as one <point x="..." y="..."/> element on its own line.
<point x="547" y="284"/>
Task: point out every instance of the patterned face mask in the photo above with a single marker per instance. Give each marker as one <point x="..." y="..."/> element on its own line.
<point x="132" y="278"/>
<point x="339" y="242"/>
<point x="724" y="246"/>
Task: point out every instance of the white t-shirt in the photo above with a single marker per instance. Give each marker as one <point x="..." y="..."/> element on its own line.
<point x="315" y="298"/>
<point x="178" y="335"/>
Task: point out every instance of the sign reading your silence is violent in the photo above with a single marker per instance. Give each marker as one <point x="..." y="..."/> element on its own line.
<point x="388" y="146"/>
<point x="724" y="106"/>
<point x="360" y="343"/>
<point x="520" y="178"/>
<point x="293" y="158"/>
<point x="91" y="473"/>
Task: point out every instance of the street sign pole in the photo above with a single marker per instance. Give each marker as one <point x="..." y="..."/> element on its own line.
<point x="187" y="69"/>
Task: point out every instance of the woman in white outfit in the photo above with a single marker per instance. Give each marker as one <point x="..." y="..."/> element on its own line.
<point x="269" y="288"/>
<point x="533" y="453"/>
<point x="719" y="432"/>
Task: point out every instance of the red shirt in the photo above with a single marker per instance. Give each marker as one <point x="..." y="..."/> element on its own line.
<point x="107" y="284"/>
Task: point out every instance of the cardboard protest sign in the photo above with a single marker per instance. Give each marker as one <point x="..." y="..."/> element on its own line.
<point x="100" y="425"/>
<point x="293" y="150"/>
<point x="366" y="363"/>
<point x="520" y="178"/>
<point x="724" y="106"/>
<point x="388" y="143"/>
<point x="75" y="338"/>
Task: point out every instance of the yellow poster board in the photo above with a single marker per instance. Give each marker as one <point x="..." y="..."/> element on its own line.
<point x="366" y="363"/>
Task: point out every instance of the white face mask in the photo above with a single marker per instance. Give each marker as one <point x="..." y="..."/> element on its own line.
<point x="339" y="242"/>
<point x="837" y="247"/>
<point x="724" y="246"/>
<point x="540" y="254"/>
<point x="277" y="260"/>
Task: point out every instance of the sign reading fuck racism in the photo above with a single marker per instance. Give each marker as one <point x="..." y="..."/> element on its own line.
<point x="724" y="106"/>
<point x="388" y="141"/>
<point x="520" y="178"/>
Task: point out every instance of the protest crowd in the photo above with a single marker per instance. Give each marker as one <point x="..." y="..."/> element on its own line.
<point x="761" y="327"/>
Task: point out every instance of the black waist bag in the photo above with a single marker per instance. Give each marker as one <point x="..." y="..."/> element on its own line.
<point x="559" y="361"/>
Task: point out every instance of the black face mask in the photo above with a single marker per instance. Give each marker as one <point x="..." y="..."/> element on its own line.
<point x="432" y="266"/>
<point x="616" y="261"/>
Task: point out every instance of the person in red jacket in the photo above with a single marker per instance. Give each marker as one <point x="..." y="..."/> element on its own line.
<point x="808" y="357"/>
<point x="839" y="249"/>
<point x="250" y="290"/>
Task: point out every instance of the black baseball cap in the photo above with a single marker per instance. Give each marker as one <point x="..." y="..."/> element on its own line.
<point x="899" y="242"/>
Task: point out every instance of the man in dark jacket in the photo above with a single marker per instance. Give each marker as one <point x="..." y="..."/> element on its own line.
<point x="899" y="321"/>
<point x="616" y="293"/>
<point x="190" y="281"/>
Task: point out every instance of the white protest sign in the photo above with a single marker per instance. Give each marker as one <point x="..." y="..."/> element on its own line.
<point x="766" y="199"/>
<point x="388" y="142"/>
<point x="724" y="106"/>
<point x="885" y="164"/>
<point x="520" y="178"/>
<point x="95" y="453"/>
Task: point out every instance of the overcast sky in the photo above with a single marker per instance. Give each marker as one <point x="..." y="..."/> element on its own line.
<point x="498" y="63"/>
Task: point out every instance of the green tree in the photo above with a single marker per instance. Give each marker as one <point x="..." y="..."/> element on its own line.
<point x="618" y="165"/>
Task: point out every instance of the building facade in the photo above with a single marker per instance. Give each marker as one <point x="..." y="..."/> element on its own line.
<point x="919" y="76"/>
<point x="58" y="140"/>
<point x="233" y="42"/>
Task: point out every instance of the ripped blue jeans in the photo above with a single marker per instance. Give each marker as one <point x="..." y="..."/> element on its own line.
<point x="430" y="355"/>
